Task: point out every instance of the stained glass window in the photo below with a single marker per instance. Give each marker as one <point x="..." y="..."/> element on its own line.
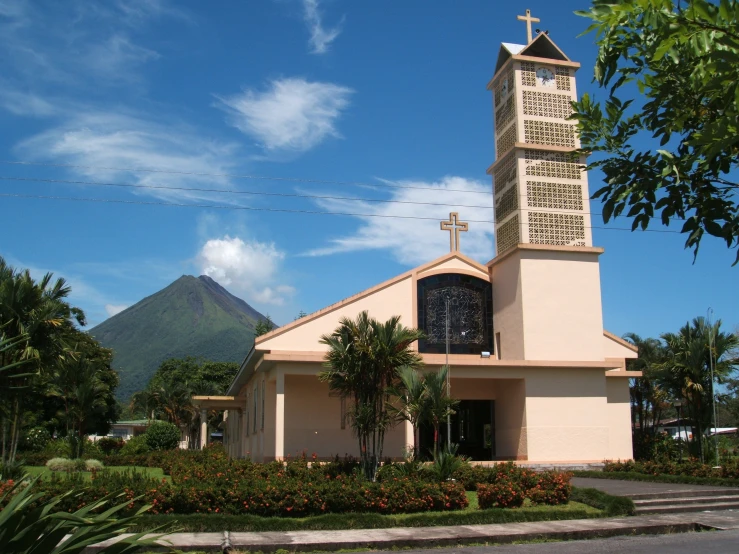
<point x="470" y="309"/>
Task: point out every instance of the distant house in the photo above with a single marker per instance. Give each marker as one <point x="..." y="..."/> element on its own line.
<point x="683" y="428"/>
<point x="125" y="429"/>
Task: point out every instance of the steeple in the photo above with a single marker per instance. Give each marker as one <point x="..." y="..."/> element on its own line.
<point x="540" y="191"/>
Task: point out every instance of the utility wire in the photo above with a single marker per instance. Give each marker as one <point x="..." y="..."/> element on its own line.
<point x="285" y="195"/>
<point x="240" y="176"/>
<point x="231" y="191"/>
<point x="282" y="210"/>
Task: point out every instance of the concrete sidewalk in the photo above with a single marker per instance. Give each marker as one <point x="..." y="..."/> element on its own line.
<point x="305" y="541"/>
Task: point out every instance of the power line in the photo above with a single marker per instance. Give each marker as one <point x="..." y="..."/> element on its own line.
<point x="282" y="210"/>
<point x="286" y="195"/>
<point x="231" y="191"/>
<point x="240" y="176"/>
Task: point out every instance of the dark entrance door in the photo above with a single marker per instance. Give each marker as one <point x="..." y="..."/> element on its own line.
<point x="473" y="429"/>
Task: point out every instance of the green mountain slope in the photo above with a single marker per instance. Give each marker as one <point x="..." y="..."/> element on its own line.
<point x="194" y="316"/>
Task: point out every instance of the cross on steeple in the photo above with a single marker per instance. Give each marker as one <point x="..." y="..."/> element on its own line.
<point x="529" y="20"/>
<point x="454" y="227"/>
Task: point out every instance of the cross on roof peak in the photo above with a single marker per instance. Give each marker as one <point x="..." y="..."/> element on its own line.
<point x="529" y="20"/>
<point x="454" y="227"/>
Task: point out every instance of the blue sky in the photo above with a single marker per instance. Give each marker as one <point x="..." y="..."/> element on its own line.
<point x="372" y="100"/>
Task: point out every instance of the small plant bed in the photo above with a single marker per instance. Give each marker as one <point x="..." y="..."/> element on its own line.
<point x="651" y="478"/>
<point x="203" y="523"/>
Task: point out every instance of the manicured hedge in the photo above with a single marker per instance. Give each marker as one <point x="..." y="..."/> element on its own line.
<point x="633" y="476"/>
<point x="203" y="523"/>
<point x="611" y="505"/>
<point x="692" y="468"/>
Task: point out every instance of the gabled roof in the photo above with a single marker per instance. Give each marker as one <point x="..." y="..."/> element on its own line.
<point x="541" y="47"/>
<point x="507" y="49"/>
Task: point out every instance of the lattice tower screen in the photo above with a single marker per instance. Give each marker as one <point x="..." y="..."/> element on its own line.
<point x="507" y="203"/>
<point x="562" y="78"/>
<point x="498" y="87"/>
<point x="505" y="172"/>
<point x="552" y="164"/>
<point x="547" y="132"/>
<point x="544" y="104"/>
<point x="508" y="235"/>
<point x="506" y="141"/>
<point x="528" y="74"/>
<point x="505" y="114"/>
<point x="556" y="229"/>
<point x="555" y="196"/>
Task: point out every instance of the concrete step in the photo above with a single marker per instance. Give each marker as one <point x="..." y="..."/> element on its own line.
<point x="725" y="499"/>
<point x="681" y="508"/>
<point x="684" y="493"/>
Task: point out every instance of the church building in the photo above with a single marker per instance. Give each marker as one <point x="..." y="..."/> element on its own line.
<point x="538" y="377"/>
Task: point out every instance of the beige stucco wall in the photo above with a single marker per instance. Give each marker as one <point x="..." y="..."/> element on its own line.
<point x="612" y="349"/>
<point x="508" y="308"/>
<point x="567" y="416"/>
<point x="510" y="419"/>
<point x="396" y="299"/>
<point x="562" y="315"/>
<point x="619" y="419"/>
<point x="313" y="422"/>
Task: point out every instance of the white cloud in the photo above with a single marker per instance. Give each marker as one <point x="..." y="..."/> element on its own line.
<point x="100" y="140"/>
<point x="112" y="57"/>
<point x="293" y="114"/>
<point x="25" y="103"/>
<point x="415" y="241"/>
<point x="320" y="37"/>
<point x="113" y="309"/>
<point x="250" y="268"/>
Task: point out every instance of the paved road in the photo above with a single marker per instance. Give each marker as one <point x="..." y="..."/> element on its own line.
<point x="716" y="542"/>
<point x="626" y="488"/>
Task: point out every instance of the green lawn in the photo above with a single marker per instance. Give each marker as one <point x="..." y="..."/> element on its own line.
<point x="154" y="472"/>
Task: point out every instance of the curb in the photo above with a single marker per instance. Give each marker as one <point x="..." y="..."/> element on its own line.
<point x="429" y="537"/>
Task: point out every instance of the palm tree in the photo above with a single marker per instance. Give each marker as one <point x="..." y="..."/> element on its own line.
<point x="39" y="312"/>
<point x="439" y="405"/>
<point x="648" y="397"/>
<point x="363" y="358"/>
<point x="411" y="394"/>
<point x="687" y="370"/>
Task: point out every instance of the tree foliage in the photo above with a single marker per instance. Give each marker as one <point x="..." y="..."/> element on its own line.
<point x="362" y="362"/>
<point x="264" y="326"/>
<point x="672" y="155"/>
<point x="54" y="375"/>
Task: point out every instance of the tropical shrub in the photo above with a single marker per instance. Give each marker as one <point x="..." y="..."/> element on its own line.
<point x="35" y="439"/>
<point x="110" y="445"/>
<point x="27" y="527"/>
<point x="162" y="435"/>
<point x="61" y="464"/>
<point x="57" y="448"/>
<point x="446" y="463"/>
<point x="135" y="446"/>
<point x="93" y="465"/>
<point x="12" y="470"/>
<point x="504" y="493"/>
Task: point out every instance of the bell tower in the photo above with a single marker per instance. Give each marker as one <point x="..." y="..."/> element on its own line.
<point x="546" y="273"/>
<point x="540" y="191"/>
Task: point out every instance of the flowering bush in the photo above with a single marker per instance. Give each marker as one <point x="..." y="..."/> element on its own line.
<point x="162" y="435"/>
<point x="504" y="493"/>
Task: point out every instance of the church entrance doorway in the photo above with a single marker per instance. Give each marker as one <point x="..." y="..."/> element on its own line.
<point x="473" y="429"/>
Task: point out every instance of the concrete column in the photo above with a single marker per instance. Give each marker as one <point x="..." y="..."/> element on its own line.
<point x="203" y="428"/>
<point x="410" y="440"/>
<point x="280" y="417"/>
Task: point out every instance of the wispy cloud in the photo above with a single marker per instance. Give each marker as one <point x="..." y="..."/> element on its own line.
<point x="414" y="241"/>
<point x="292" y="114"/>
<point x="251" y="268"/>
<point x="99" y="140"/>
<point x="77" y="43"/>
<point x="320" y="37"/>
